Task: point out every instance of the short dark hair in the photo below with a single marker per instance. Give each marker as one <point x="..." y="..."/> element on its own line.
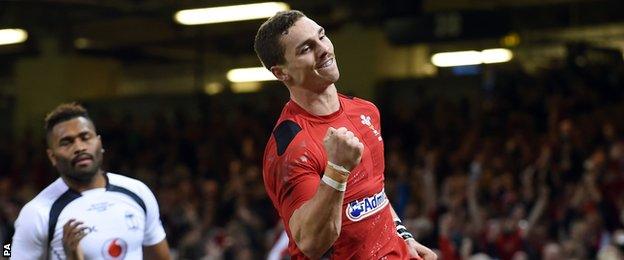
<point x="62" y="113"/>
<point x="267" y="43"/>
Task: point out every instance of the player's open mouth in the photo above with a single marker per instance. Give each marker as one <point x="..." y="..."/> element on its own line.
<point x="325" y="63"/>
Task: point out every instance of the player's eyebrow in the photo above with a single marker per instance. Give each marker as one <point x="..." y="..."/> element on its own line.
<point x="320" y="31"/>
<point x="72" y="137"/>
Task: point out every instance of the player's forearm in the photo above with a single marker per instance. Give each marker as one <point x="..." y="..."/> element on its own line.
<point x="158" y="251"/>
<point x="316" y="225"/>
<point x="394" y="214"/>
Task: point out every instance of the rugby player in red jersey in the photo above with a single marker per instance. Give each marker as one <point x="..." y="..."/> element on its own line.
<point x="324" y="163"/>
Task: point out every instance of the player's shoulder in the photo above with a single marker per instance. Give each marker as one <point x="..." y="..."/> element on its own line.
<point x="38" y="209"/>
<point x="32" y="211"/>
<point x="285" y="133"/>
<point x="118" y="179"/>
<point x="47" y="197"/>
<point x="127" y="182"/>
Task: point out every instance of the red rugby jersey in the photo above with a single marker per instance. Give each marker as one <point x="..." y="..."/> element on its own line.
<point x="295" y="160"/>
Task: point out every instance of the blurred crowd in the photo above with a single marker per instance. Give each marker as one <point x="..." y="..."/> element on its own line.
<point x="532" y="168"/>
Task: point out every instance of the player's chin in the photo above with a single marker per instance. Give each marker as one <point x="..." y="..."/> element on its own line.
<point x="331" y="76"/>
<point x="335" y="76"/>
<point x="84" y="174"/>
<point x="84" y="169"/>
<point x="328" y="72"/>
<point x="332" y="72"/>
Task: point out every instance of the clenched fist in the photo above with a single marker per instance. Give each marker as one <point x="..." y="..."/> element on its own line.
<point x="343" y="148"/>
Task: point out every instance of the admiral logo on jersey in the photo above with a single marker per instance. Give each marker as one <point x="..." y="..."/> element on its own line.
<point x="114" y="249"/>
<point x="362" y="208"/>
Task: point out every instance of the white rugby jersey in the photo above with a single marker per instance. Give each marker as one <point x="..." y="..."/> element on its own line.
<point x="121" y="218"/>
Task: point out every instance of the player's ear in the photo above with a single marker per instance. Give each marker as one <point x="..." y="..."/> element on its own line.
<point x="100" y="140"/>
<point x="280" y="73"/>
<point x="51" y="156"/>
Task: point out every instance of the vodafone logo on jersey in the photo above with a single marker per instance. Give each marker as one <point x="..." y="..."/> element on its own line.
<point x="114" y="249"/>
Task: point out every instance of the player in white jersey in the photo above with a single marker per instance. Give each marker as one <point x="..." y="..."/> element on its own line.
<point x="87" y="213"/>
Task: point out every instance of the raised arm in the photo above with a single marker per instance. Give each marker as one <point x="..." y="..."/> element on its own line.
<point x="315" y="225"/>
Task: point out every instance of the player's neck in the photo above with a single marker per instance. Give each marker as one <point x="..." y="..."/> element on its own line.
<point x="316" y="103"/>
<point x="98" y="181"/>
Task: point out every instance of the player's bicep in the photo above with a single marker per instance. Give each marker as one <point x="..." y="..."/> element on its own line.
<point x="29" y="240"/>
<point x="159" y="251"/>
<point x="299" y="183"/>
<point x="154" y="231"/>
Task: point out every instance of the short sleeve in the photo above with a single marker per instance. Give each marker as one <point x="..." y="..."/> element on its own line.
<point x="30" y="238"/>
<point x="297" y="175"/>
<point x="299" y="185"/>
<point x="154" y="231"/>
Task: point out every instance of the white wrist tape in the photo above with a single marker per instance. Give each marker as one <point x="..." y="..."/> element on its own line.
<point x="339" y="186"/>
<point x="339" y="168"/>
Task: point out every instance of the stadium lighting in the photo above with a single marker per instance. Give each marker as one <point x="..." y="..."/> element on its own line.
<point x="229" y="13"/>
<point x="463" y="58"/>
<point x="457" y="58"/>
<point x="245" y="87"/>
<point x="213" y="88"/>
<point x="249" y="75"/>
<point x="496" y="55"/>
<point x="12" y="36"/>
